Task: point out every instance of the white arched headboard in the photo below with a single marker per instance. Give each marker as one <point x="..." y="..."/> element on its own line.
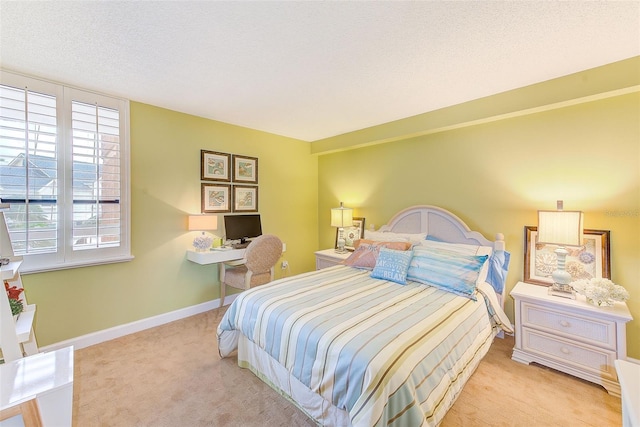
<point x="444" y="226"/>
<point x="440" y="224"/>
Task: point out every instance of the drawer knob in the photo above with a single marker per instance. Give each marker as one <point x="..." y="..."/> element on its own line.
<point x="565" y="350"/>
<point x="565" y="323"/>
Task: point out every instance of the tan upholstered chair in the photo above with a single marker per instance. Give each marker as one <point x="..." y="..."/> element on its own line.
<point x="257" y="267"/>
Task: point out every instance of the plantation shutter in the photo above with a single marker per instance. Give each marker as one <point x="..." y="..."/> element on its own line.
<point x="64" y="170"/>
<point x="29" y="168"/>
<point x="96" y="176"/>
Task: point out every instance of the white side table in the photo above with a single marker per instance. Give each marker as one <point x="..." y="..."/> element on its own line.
<point x="629" y="376"/>
<point x="329" y="258"/>
<point x="46" y="378"/>
<point x="569" y="335"/>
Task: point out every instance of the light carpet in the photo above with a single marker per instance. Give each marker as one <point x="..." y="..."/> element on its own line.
<point x="172" y="376"/>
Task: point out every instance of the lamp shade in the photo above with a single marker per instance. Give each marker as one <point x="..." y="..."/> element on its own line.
<point x="202" y="222"/>
<point x="341" y="217"/>
<point x="562" y="228"/>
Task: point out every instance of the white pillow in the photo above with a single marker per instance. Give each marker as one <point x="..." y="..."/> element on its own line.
<point x="388" y="236"/>
<point x="463" y="249"/>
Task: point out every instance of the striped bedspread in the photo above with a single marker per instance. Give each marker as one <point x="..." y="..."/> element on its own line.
<point x="387" y="354"/>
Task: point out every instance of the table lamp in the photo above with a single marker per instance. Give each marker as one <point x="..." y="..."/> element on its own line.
<point x="202" y="223"/>
<point x="341" y="217"/>
<point x="562" y="228"/>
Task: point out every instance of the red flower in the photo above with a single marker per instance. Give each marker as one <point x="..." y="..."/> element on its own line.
<point x="13" y="292"/>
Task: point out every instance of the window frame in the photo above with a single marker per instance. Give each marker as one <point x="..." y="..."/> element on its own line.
<point x="65" y="256"/>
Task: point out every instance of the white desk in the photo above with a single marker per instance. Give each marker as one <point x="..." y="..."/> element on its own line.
<point x="46" y="377"/>
<point x="215" y="256"/>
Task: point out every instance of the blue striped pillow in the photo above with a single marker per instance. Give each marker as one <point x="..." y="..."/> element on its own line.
<point x="447" y="271"/>
<point x="392" y="265"/>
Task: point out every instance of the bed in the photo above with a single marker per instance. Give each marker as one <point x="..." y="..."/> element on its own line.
<point x="350" y="349"/>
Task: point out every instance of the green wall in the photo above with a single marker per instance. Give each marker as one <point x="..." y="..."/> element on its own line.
<point x="494" y="162"/>
<point x="165" y="188"/>
<point x="496" y="175"/>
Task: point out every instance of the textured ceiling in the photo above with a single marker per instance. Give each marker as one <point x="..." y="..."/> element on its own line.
<point x="312" y="70"/>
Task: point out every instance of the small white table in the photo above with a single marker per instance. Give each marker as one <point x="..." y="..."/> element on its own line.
<point x="629" y="377"/>
<point x="329" y="258"/>
<point x="45" y="377"/>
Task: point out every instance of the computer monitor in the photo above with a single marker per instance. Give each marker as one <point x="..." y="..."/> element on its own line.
<point x="242" y="227"/>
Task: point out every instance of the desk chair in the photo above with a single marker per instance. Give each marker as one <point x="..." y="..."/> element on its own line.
<point x="257" y="267"/>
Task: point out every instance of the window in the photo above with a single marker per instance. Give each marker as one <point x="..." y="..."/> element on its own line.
<point x="64" y="170"/>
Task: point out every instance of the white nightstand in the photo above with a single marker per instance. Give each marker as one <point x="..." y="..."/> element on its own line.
<point x="569" y="335"/>
<point x="329" y="258"/>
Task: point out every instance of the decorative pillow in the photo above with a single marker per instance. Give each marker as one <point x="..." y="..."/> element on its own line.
<point x="391" y="244"/>
<point x="462" y="249"/>
<point x="389" y="236"/>
<point x="392" y="265"/>
<point x="447" y="271"/>
<point x="357" y="242"/>
<point x="366" y="253"/>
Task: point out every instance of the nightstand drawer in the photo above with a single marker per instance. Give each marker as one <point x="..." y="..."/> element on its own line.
<point x="598" y="332"/>
<point x="570" y="353"/>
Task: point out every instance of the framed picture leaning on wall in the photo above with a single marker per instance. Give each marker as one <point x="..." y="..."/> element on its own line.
<point x="351" y="234"/>
<point x="591" y="260"/>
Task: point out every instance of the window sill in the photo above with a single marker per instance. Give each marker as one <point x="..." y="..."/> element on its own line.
<point x="86" y="263"/>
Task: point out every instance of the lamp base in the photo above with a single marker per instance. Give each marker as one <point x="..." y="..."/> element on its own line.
<point x="563" y="291"/>
<point x="340" y="249"/>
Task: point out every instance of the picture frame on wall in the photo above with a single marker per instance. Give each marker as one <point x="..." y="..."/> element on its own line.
<point x="215" y="166"/>
<point x="245" y="198"/>
<point x="351" y="234"/>
<point x="591" y="260"/>
<point x="245" y="169"/>
<point x="215" y="198"/>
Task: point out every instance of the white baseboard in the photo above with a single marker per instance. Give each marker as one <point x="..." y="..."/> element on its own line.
<point x="137" y="326"/>
<point x="151" y="322"/>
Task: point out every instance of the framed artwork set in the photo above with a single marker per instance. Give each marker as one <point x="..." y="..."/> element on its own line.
<point x="591" y="260"/>
<point x="231" y="182"/>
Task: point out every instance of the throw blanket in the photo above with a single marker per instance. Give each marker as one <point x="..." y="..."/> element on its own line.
<point x="385" y="353"/>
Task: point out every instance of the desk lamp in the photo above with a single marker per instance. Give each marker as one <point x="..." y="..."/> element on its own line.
<point x="341" y="217"/>
<point x="201" y="223"/>
<point x="562" y="228"/>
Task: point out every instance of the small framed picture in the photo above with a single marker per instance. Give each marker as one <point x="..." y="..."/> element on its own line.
<point x="591" y="260"/>
<point x="245" y="169"/>
<point x="351" y="234"/>
<point x="216" y="198"/>
<point x="245" y="198"/>
<point x="215" y="166"/>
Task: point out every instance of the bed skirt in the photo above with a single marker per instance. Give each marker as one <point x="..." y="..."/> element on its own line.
<point x="259" y="362"/>
<point x="252" y="357"/>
